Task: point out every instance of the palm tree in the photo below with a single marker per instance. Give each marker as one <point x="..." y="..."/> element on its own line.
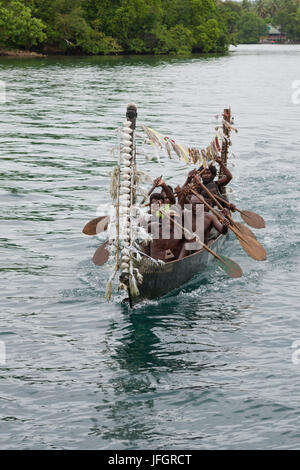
<point x="261" y="8"/>
<point x="272" y="7"/>
<point x="246" y="5"/>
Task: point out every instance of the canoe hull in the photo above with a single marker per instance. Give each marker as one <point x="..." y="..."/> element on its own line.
<point x="161" y="280"/>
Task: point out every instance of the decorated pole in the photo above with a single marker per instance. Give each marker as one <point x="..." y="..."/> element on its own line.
<point x="127" y="199"/>
<point x="226" y="142"/>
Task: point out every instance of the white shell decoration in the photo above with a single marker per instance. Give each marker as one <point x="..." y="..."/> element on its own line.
<point x="125" y="190"/>
<point x="126" y="171"/>
<point x="125" y="184"/>
<point x="126" y="136"/>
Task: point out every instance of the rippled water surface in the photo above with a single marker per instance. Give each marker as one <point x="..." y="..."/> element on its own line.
<point x="210" y="367"/>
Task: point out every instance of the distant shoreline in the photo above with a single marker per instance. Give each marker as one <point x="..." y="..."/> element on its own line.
<point x="20" y="53"/>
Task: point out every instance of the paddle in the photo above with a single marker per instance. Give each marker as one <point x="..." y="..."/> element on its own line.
<point x="228" y="265"/>
<point x="97" y="225"/>
<point x="244" y="230"/>
<point x="250" y="245"/>
<point x="101" y="255"/>
<point x="251" y="218"/>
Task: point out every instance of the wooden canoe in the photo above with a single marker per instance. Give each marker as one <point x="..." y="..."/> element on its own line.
<point x="159" y="280"/>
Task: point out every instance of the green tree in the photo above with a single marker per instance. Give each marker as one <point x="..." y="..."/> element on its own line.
<point x="112" y="26"/>
<point x="17" y="26"/>
<point x="175" y="40"/>
<point x="207" y="36"/>
<point x="250" y="28"/>
<point x="229" y="14"/>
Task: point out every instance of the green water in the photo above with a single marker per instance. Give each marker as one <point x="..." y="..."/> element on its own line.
<point x="209" y="367"/>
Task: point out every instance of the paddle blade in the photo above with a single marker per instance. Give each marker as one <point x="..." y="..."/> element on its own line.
<point x="244" y="230"/>
<point x="253" y="248"/>
<point x="229" y="266"/>
<point x="101" y="255"/>
<point x="97" y="225"/>
<point x="252" y="219"/>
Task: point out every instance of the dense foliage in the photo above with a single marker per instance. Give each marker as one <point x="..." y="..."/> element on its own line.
<point x="113" y="26"/>
<point x="141" y="26"/>
<point x="247" y="20"/>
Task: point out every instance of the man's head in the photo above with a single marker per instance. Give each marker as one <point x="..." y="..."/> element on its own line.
<point x="208" y="174"/>
<point x="156" y="200"/>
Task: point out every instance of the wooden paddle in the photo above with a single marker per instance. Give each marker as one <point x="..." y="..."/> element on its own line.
<point x="97" y="225"/>
<point x="251" y="218"/>
<point x="101" y="255"/>
<point x="244" y="230"/>
<point x="228" y="265"/>
<point x="250" y="245"/>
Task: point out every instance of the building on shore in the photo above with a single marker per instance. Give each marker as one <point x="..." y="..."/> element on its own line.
<point x="275" y="35"/>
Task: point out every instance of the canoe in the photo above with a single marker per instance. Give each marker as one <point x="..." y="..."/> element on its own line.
<point x="160" y="280"/>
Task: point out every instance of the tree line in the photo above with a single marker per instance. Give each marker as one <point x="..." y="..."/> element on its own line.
<point x="249" y="19"/>
<point x="141" y="26"/>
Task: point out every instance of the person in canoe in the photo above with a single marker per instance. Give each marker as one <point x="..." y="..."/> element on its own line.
<point x="203" y="230"/>
<point x="213" y="187"/>
<point x="210" y="220"/>
<point x="168" y="242"/>
<point x="208" y="176"/>
<point x="156" y="201"/>
<point x="166" y="191"/>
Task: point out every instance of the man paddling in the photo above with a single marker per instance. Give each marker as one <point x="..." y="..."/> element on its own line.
<point x="208" y="177"/>
<point x="210" y="173"/>
<point x="210" y="220"/>
<point x="168" y="243"/>
<point x="213" y="187"/>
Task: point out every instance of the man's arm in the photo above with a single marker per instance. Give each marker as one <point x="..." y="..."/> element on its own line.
<point x="227" y="174"/>
<point x="190" y="177"/>
<point x="168" y="191"/>
<point x="181" y="196"/>
<point x="220" y="227"/>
